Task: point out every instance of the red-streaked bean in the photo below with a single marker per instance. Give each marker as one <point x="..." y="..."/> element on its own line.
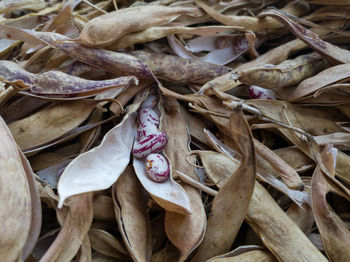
<point x="157" y="167"/>
<point x="148" y="115"/>
<point x="145" y="129"/>
<point x="151" y="144"/>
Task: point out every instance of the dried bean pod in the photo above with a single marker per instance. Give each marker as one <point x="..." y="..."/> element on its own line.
<point x="148" y="115"/>
<point x="257" y="92"/>
<point x="145" y="129"/>
<point x="151" y="144"/>
<point x="157" y="167"/>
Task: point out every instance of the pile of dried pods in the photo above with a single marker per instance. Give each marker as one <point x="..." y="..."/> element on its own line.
<point x="169" y="130"/>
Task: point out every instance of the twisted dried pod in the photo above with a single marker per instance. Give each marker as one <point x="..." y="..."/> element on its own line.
<point x="153" y="143"/>
<point x="157" y="167"/>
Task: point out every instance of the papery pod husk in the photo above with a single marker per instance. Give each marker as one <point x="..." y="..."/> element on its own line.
<point x="302" y="216"/>
<point x="43" y="244"/>
<point x="85" y="254"/>
<point x="231" y="202"/>
<point x="101" y="31"/>
<point x="253" y="23"/>
<point x="45" y="160"/>
<point x="132" y="216"/>
<point x="342" y="164"/>
<point x="76" y="220"/>
<point x="59" y="118"/>
<point x="278" y="232"/>
<point x="221" y="171"/>
<point x="114" y="62"/>
<point x="180" y="70"/>
<point x="103" y="208"/>
<point x="115" y="147"/>
<point x="332" y="53"/>
<point x="323" y="122"/>
<point x="274" y="56"/>
<point x="245" y="254"/>
<point x="56" y="82"/>
<point x="323" y="79"/>
<point x="169" y="253"/>
<point x="158" y="233"/>
<point x="295" y="158"/>
<point x="158" y="32"/>
<point x="169" y="194"/>
<point x="288" y="73"/>
<point x="96" y="169"/>
<point x="185" y="232"/>
<point x="334" y="232"/>
<point x="106" y="244"/>
<point x="15" y="198"/>
<point x="98" y="257"/>
<point x="34" y="5"/>
<point x="36" y="216"/>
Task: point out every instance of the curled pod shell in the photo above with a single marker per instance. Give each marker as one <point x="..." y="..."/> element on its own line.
<point x="150" y="102"/>
<point x="148" y="115"/>
<point x="257" y="92"/>
<point x="145" y="129"/>
<point x="157" y="167"/>
<point x="153" y="143"/>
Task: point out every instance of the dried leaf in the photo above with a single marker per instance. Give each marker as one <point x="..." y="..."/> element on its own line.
<point x="100" y="167"/>
<point x="231" y="203"/>
<point x="15" y="197"/>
